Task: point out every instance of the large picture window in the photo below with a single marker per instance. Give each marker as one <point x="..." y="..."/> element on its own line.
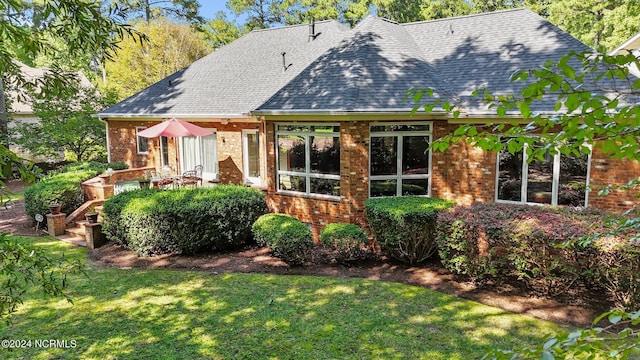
<point x="309" y="158"/>
<point x="555" y="179"/>
<point x="400" y="159"/>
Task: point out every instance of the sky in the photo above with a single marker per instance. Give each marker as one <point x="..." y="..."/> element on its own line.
<point x="208" y="8"/>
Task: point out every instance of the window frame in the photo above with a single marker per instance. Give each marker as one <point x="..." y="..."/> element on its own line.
<point x="138" y="138"/>
<point x="400" y="134"/>
<point x="162" y="151"/>
<point x="251" y="180"/>
<point x="307" y="174"/>
<point x="555" y="182"/>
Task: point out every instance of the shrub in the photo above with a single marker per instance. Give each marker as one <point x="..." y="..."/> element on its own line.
<point x="347" y="240"/>
<point x="518" y="241"/>
<point x="62" y="187"/>
<point x="405" y="226"/>
<point x="184" y="221"/>
<point x="617" y="269"/>
<point x="288" y="238"/>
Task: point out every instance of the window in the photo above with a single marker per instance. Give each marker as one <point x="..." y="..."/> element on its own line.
<point x="200" y="150"/>
<point x="164" y="150"/>
<point x="555" y="179"/>
<point x="251" y="156"/>
<point x="309" y="158"/>
<point x="142" y="142"/>
<point x="400" y="159"/>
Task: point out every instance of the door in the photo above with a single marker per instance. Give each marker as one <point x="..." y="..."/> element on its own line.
<point x="200" y="150"/>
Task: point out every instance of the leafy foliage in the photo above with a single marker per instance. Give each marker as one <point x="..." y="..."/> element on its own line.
<point x="219" y="31"/>
<point x="66" y="124"/>
<point x="183" y="221"/>
<point x="515" y="241"/>
<point x="23" y="267"/>
<point x="184" y="10"/>
<point x="620" y="339"/>
<point x="348" y="240"/>
<point x="405" y="226"/>
<point x="287" y="237"/>
<point x="543" y="247"/>
<point x="170" y="47"/>
<point x="63" y="187"/>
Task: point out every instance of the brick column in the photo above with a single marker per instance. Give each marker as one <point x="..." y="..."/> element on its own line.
<point x="56" y="224"/>
<point x="94" y="236"/>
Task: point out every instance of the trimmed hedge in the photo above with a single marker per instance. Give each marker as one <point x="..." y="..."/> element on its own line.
<point x="288" y="238"/>
<point x="186" y="221"/>
<point x="347" y="240"/>
<point x="540" y="246"/>
<point x="63" y="187"/>
<point x="405" y="226"/>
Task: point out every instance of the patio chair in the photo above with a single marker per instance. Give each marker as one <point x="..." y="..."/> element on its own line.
<point x="161" y="180"/>
<point x="192" y="177"/>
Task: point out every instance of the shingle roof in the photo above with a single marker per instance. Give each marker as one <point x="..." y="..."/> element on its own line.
<point x="366" y="69"/>
<point x="19" y="103"/>
<point x="236" y="78"/>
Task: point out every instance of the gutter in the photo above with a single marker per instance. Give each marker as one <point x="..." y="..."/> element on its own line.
<point x="114" y="116"/>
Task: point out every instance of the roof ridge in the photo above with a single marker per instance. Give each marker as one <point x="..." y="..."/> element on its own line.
<point x="294" y="25"/>
<point x="522" y="8"/>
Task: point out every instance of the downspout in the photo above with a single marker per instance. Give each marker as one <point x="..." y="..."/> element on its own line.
<point x="108" y="140"/>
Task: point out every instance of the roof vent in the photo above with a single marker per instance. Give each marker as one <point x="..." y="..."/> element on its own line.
<point x="312" y="30"/>
<point x="284" y="62"/>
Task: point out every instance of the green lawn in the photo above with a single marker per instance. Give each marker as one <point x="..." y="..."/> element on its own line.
<point x="165" y="314"/>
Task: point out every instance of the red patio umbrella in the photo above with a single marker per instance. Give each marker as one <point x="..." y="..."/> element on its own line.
<point x="174" y="128"/>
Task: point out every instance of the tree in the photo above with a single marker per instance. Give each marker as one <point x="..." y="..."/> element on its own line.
<point x="187" y="10"/>
<point x="261" y="14"/>
<point x="219" y="31"/>
<point x="600" y="24"/>
<point x="170" y="48"/>
<point x="66" y="124"/>
<point x="444" y="9"/>
<point x="401" y="11"/>
<point x="346" y="11"/>
<point x="78" y="24"/>
<point x="84" y="28"/>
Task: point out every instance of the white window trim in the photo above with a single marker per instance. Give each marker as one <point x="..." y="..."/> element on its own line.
<point x="555" y="184"/>
<point x="162" y="149"/>
<point x="138" y="137"/>
<point x="251" y="180"/>
<point x="307" y="174"/>
<point x="399" y="134"/>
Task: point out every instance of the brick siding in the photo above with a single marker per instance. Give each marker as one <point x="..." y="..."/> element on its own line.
<point x="463" y="173"/>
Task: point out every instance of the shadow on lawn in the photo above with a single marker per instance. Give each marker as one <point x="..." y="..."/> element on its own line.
<point x="177" y="314"/>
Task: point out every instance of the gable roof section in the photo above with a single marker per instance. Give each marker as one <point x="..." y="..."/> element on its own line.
<point x="369" y="71"/>
<point x="484" y="50"/>
<point x="234" y="79"/>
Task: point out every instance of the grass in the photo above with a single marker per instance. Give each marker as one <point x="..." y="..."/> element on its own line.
<point x="165" y="314"/>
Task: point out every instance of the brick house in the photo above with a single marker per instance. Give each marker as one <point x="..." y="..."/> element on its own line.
<point x="316" y="115"/>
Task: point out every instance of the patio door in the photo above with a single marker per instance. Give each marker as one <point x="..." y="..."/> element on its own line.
<point x="200" y="150"/>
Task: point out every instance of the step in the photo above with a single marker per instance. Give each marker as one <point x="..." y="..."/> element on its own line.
<point x="71" y="239"/>
<point x="77" y="231"/>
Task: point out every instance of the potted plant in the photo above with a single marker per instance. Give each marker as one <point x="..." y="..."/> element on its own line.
<point x="54" y="209"/>
<point x="91" y="215"/>
<point x="144" y="181"/>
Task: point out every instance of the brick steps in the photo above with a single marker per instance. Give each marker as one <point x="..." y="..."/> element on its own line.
<point x="72" y="239"/>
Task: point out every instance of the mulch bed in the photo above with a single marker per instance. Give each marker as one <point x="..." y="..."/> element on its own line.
<point x="571" y="308"/>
